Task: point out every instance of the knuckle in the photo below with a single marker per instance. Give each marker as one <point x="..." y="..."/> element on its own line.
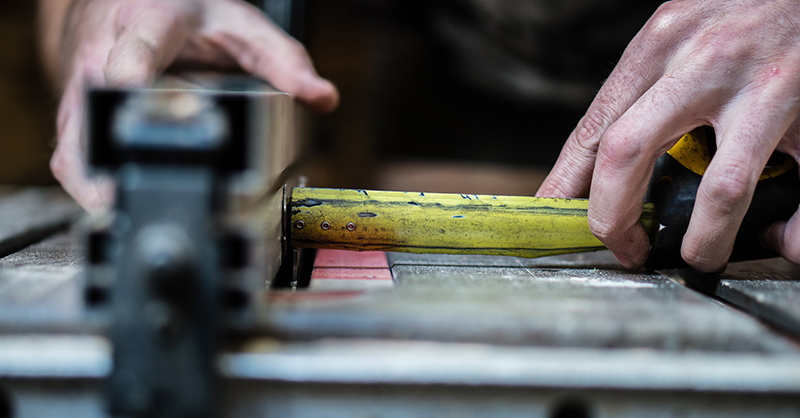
<point x="603" y="229"/>
<point x="296" y="50"/>
<point x="295" y="58"/>
<point x="555" y="190"/>
<point x="128" y="63"/>
<point x="665" y="21"/>
<point x="591" y="127"/>
<point x="715" y="49"/>
<point x="730" y="186"/>
<point x="618" y="148"/>
<point x="695" y="255"/>
<point x="253" y="61"/>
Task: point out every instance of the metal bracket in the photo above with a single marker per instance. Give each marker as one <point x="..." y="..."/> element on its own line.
<point x="161" y="266"/>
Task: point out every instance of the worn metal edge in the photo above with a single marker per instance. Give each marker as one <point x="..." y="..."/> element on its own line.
<point x="14" y="243"/>
<point x="54" y="356"/>
<point x="713" y="285"/>
<point x="414" y="363"/>
<point x="61" y="213"/>
<point x="427" y="363"/>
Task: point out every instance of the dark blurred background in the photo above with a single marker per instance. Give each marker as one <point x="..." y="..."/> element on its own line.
<point x="27" y="105"/>
<point x="474" y="96"/>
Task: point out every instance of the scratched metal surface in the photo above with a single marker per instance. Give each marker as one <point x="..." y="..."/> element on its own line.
<point x="768" y="289"/>
<point x="41" y="285"/>
<point x="505" y="300"/>
<point x="580" y="300"/>
<point x="596" y="259"/>
<point x="40" y="262"/>
<point x="548" y="324"/>
<point x="28" y="215"/>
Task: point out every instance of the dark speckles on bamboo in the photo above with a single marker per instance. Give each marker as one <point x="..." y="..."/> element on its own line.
<point x="306" y="202"/>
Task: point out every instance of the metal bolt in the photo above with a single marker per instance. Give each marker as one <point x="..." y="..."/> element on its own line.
<point x="299" y="224"/>
<point x="325" y="225"/>
<point x="351" y="226"/>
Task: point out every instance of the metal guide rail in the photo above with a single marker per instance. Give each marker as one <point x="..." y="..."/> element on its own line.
<point x="172" y="317"/>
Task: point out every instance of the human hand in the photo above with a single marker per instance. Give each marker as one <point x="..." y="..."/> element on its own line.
<point x="734" y="65"/>
<point x="129" y="42"/>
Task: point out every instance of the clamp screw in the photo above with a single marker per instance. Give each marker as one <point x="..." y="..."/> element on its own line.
<point x="325" y="225"/>
<point x="300" y="224"/>
<point x="351" y="226"/>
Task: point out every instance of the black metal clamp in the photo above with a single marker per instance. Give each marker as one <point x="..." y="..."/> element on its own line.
<point x="161" y="268"/>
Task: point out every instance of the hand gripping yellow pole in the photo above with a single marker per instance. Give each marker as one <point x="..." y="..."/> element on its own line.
<point x="442" y="223"/>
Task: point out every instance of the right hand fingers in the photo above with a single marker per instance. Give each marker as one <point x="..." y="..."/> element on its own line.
<point x="622" y="133"/>
<point x="749" y="128"/>
<point x="641" y="66"/>
<point x="729" y="65"/>
<point x="626" y="156"/>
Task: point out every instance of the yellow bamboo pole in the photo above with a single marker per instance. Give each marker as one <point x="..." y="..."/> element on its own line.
<point x="443" y="223"/>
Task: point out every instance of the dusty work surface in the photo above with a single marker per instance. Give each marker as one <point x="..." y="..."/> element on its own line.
<point x="581" y="336"/>
<point x="580" y="300"/>
<point x="558" y="302"/>
<point x="431" y="335"/>
<point x="43" y="257"/>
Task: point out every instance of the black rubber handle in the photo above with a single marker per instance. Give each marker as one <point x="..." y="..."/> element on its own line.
<point x="673" y="189"/>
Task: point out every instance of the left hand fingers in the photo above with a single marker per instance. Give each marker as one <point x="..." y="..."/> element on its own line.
<point x="264" y="50"/>
<point x="642" y="65"/>
<point x="149" y="37"/>
<point x="67" y="162"/>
